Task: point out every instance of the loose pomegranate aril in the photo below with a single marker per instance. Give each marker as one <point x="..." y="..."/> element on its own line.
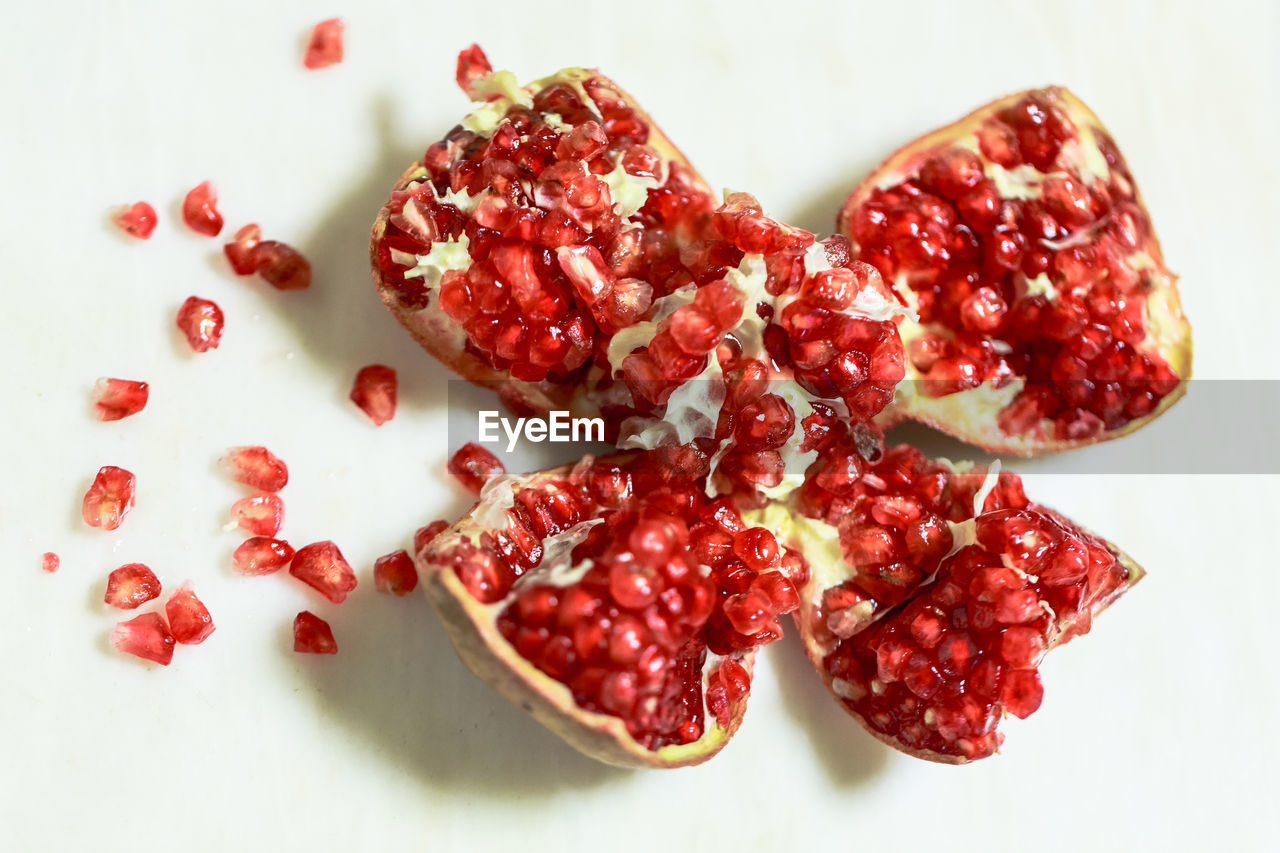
<point x="423" y="536"/>
<point x="374" y="391"/>
<point x="322" y="567"/>
<point x="49" y="562"/>
<point x="241" y="250"/>
<point x="137" y="220"/>
<point x="255" y="466"/>
<point x="131" y="586"/>
<point x="395" y="574"/>
<point x="261" y="555"/>
<point x="261" y="514"/>
<point x="200" y="321"/>
<point x="145" y="636"/>
<point x="324" y="48"/>
<point x="472" y="66"/>
<point x="474" y="466"/>
<point x="281" y="265"/>
<point x="312" y="635"/>
<point x="200" y="210"/>
<point x="109" y="498"/>
<point x="189" y="620"/>
<point x="114" y="399"/>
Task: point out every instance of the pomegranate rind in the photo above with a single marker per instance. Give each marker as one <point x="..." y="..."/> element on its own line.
<point x="472" y="628"/>
<point x="971" y="415"/>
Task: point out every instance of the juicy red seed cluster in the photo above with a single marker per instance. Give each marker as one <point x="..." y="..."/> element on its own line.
<point x="109" y="498"/>
<point x="200" y="210"/>
<point x="261" y="555"/>
<point x="131" y="586"/>
<point x="114" y="399"/>
<point x="200" y="321"/>
<point x="968" y="253"/>
<point x="261" y="514"/>
<point x="322" y="567"/>
<point x="137" y="220"/>
<point x="256" y="467"/>
<point x="146" y="636"/>
<point x="312" y="635"/>
<point x="473" y="466"/>
<point x="937" y="673"/>
<point x="374" y="391"/>
<point x="324" y="48"/>
<point x="395" y="574"/>
<point x="279" y="264"/>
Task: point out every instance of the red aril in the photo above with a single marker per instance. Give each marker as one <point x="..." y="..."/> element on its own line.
<point x="473" y="466"/>
<point x="423" y="536"/>
<point x="240" y="251"/>
<point x="200" y="210"/>
<point x="109" y="498"/>
<point x="261" y="514"/>
<point x="145" y="636"/>
<point x="324" y="48"/>
<point x="131" y="586"/>
<point x="255" y="466"/>
<point x="200" y="321"/>
<point x="312" y="635"/>
<point x="137" y="220"/>
<point x="49" y="562"/>
<point x="189" y="620"/>
<point x="281" y="266"/>
<point x="322" y="567"/>
<point x="114" y="399"/>
<point x="395" y="574"/>
<point x="261" y="555"/>
<point x="374" y="391"/>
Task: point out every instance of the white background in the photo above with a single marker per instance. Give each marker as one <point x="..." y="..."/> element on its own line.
<point x="1157" y="730"/>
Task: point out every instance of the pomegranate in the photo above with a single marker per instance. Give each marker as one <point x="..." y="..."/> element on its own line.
<point x="189" y="620"/>
<point x="322" y="567"/>
<point x="1047" y="318"/>
<point x="200" y="321"/>
<point x="261" y="514"/>
<point x="137" y="220"/>
<point x="145" y="636"/>
<point x="395" y="574"/>
<point x="49" y="562"/>
<point x="374" y="391"/>
<point x="109" y="498"/>
<point x="240" y="251"/>
<point x="114" y="399"/>
<point x="615" y="601"/>
<point x="200" y="210"/>
<point x="261" y="555"/>
<point x="312" y="635"/>
<point x="473" y="466"/>
<point x="131" y="586"/>
<point x="324" y="48"/>
<point x="255" y="466"/>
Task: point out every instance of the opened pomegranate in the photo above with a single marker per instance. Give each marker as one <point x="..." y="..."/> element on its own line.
<point x="616" y="602"/>
<point x="1047" y="318"/>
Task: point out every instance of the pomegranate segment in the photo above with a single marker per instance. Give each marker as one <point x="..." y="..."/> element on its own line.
<point x="200" y="210"/>
<point x="261" y="555"/>
<point x="374" y="391"/>
<point x="131" y="586"/>
<point x="261" y="514"/>
<point x="932" y="623"/>
<point x="1047" y="318"/>
<point x="322" y="567"/>
<point x="200" y="321"/>
<point x="324" y="48"/>
<point x="49" y="562"/>
<point x="473" y="466"/>
<point x="312" y="635"/>
<point x="189" y="620"/>
<point x="114" y="399"/>
<point x="145" y="636"/>
<point x="255" y="466"/>
<point x="109" y="498"/>
<point x="137" y="220"/>
<point x="395" y="574"/>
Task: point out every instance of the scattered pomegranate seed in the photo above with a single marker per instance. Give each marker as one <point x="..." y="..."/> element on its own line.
<point x="474" y="466"/>
<point x="374" y="392"/>
<point x="114" y="399"/>
<point x="325" y="47"/>
<point x="255" y="466"/>
<point x="131" y="586"/>
<point x="312" y="635"/>
<point x="395" y="574"/>
<point x="200" y="320"/>
<point x="322" y="567"/>
<point x="240" y="251"/>
<point x="472" y="65"/>
<point x="109" y="498"/>
<point x="200" y="210"/>
<point x="261" y="514"/>
<point x="423" y="535"/>
<point x="145" y="636"/>
<point x="137" y="220"/>
<point x="49" y="562"/>
<point x="281" y="265"/>
<point x="189" y="619"/>
<point x="261" y="555"/>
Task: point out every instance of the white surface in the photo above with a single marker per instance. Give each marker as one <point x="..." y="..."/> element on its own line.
<point x="1158" y="730"/>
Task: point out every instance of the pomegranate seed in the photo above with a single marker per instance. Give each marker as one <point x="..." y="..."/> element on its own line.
<point x="200" y="321"/>
<point x="374" y="392"/>
<point x="472" y="65"/>
<point x="109" y="498"/>
<point x="261" y="555"/>
<point x="189" y="619"/>
<point x="325" y="45"/>
<point x="200" y="210"/>
<point x="49" y="562"/>
<point x="395" y="574"/>
<point x="240" y="251"/>
<point x="261" y="514"/>
<point x="114" y="399"/>
<point x="256" y="467"/>
<point x="322" y="567"/>
<point x="131" y="586"/>
<point x="423" y="536"/>
<point x="474" y="466"/>
<point x="144" y="636"/>
<point x="137" y="220"/>
<point x="281" y="265"/>
<point x="312" y="635"/>
<point x="1022" y="692"/>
